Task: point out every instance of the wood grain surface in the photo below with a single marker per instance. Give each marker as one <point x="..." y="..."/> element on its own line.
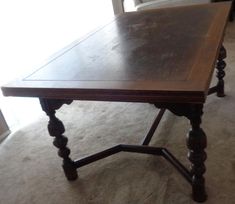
<point x="162" y="55"/>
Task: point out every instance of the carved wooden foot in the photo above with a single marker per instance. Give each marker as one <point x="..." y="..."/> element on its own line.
<point x="56" y="129"/>
<point x="196" y="142"/>
<point x="220" y="72"/>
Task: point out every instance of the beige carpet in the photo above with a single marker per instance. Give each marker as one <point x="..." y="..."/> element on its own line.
<point x="30" y="170"/>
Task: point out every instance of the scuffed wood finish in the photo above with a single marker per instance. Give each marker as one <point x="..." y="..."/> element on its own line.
<point x="165" y="55"/>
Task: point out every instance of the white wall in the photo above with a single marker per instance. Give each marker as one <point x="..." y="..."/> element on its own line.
<point x="31" y="31"/>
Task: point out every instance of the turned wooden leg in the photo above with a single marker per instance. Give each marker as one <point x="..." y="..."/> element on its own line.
<point x="56" y="129"/>
<point x="196" y="142"/>
<point x="220" y="72"/>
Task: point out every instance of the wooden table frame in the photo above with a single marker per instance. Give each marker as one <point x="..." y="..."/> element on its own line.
<point x="165" y="57"/>
<point x="196" y="138"/>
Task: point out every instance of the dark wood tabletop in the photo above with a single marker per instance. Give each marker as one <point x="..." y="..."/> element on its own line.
<point x="162" y="55"/>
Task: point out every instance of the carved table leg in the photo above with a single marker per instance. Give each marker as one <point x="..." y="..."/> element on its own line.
<point x="220" y="72"/>
<point x="196" y="142"/>
<point x="56" y="129"/>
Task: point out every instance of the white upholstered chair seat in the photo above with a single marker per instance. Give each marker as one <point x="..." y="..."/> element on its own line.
<point x="151" y="4"/>
<point x="118" y="5"/>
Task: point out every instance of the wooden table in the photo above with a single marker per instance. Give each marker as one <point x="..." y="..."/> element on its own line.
<point x="165" y="57"/>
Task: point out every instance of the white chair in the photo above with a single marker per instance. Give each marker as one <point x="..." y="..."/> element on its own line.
<point x="119" y="5"/>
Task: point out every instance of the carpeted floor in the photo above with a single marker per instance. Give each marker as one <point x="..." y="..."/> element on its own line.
<point x="30" y="170"/>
